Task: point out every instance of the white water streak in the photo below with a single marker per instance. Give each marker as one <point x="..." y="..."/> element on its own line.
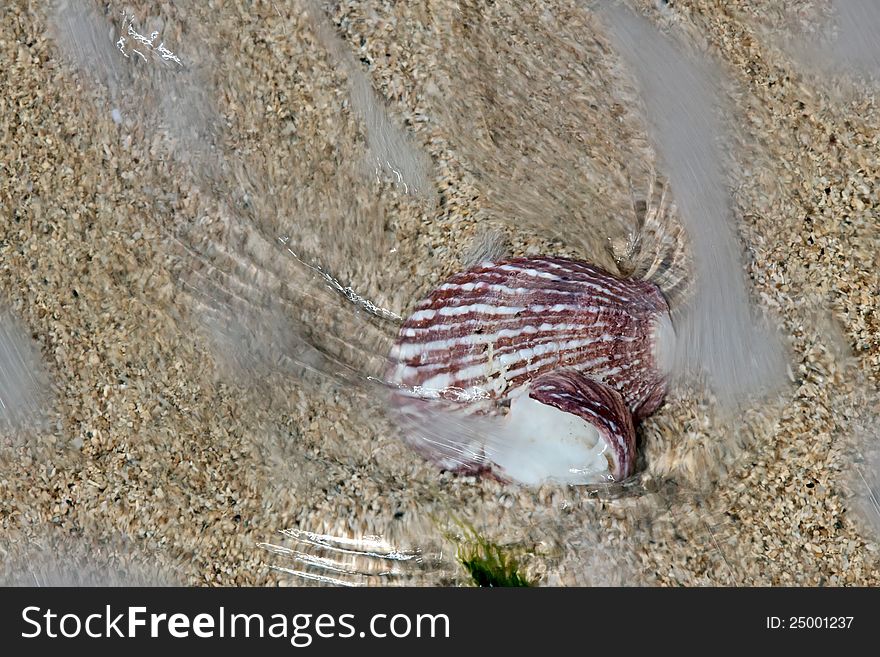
<point x="716" y="334"/>
<point x="24" y="385"/>
<point x="854" y="47"/>
<point x="389" y="149"/>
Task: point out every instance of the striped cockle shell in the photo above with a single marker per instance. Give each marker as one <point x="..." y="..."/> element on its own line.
<point x="482" y="336"/>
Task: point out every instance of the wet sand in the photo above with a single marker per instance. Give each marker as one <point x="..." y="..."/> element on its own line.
<point x="174" y="436"/>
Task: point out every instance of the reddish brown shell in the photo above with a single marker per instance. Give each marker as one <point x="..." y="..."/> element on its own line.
<point x="499" y="325"/>
<point x="486" y="332"/>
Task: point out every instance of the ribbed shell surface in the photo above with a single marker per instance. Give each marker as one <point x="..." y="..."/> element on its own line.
<point x="489" y="330"/>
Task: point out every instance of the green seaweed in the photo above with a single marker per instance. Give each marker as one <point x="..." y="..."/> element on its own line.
<point x="491" y="567"/>
<point x="489" y="564"/>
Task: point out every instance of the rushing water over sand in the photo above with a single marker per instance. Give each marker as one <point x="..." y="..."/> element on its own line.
<point x="306" y="173"/>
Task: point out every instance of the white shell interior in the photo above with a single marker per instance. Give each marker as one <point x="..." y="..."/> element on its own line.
<point x="540" y="443"/>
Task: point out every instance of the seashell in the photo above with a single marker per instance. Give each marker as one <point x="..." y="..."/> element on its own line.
<point x="504" y="339"/>
<point x="568" y="428"/>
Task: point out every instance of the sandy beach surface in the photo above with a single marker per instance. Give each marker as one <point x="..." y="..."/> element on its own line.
<point x="195" y="405"/>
